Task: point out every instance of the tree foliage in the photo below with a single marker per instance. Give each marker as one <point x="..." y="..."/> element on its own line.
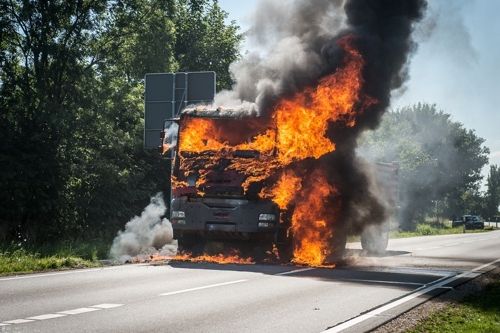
<point x="492" y="203"/>
<point x="204" y="41"/>
<point x="71" y="99"/>
<point x="440" y="161"/>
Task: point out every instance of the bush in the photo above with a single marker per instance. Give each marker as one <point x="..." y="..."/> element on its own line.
<point x="426" y="230"/>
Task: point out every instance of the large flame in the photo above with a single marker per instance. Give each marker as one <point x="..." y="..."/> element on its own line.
<point x="285" y="189"/>
<point x="312" y="221"/>
<point x="233" y="258"/>
<point x="297" y="131"/>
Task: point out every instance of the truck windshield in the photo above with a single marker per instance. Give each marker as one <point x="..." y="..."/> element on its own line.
<point x="216" y="156"/>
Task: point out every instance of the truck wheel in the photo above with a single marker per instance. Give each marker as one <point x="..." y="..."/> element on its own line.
<point x="191" y="244"/>
<point x="284" y="244"/>
<point x="339" y="242"/>
<point x="375" y="239"/>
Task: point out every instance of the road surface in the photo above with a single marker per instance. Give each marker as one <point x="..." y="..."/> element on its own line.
<point x="188" y="297"/>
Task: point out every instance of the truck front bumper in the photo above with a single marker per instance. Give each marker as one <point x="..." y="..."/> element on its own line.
<point x="217" y="217"/>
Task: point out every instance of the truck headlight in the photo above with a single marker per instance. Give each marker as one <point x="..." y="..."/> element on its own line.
<point x="267" y="217"/>
<point x="266" y="224"/>
<point x="178" y="214"/>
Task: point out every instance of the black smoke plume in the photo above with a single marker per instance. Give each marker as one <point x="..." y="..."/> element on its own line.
<point x="301" y="38"/>
<point x="303" y="43"/>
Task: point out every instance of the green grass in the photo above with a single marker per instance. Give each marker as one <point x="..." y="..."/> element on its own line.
<point x="20" y="260"/>
<point x="478" y="313"/>
<point x="425" y="229"/>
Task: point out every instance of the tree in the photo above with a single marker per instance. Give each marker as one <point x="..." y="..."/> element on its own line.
<point x="203" y="40"/>
<point x="72" y="163"/>
<point x="493" y="193"/>
<point x="440" y="161"/>
<point x="40" y="71"/>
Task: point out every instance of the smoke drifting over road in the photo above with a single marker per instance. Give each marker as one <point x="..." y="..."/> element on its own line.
<point x="145" y="234"/>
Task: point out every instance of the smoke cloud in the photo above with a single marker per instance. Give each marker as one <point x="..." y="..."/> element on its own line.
<point x="171" y="135"/>
<point x="145" y="234"/>
<point x="383" y="35"/>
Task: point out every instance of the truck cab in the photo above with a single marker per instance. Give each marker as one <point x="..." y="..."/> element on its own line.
<point x="210" y="199"/>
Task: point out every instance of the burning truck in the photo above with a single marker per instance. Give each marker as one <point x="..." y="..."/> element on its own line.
<point x="264" y="181"/>
<point x="235" y="192"/>
<point x="287" y="180"/>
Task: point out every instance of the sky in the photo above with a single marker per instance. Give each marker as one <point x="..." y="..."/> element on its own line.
<point x="456" y="65"/>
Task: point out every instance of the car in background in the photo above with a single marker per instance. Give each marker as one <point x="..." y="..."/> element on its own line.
<point x="473" y="222"/>
<point x="457" y="222"/>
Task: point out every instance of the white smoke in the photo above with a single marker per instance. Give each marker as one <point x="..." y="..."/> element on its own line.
<point x="171" y="133"/>
<point x="145" y="234"/>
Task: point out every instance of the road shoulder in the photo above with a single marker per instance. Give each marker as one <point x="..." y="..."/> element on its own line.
<point x="415" y="316"/>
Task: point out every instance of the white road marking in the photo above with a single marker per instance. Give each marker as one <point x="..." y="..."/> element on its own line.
<point x="106" y="306"/>
<point x="203" y="287"/>
<point x="382" y="281"/>
<point x="296" y="271"/>
<point x="17" y="321"/>
<point x="417" y="293"/>
<point x="78" y="311"/>
<point x="47" y="316"/>
<point x="63" y="313"/>
<point x="32" y="276"/>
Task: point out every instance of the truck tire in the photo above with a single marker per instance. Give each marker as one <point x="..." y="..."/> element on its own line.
<point x="284" y="245"/>
<point x="375" y="238"/>
<point x="191" y="244"/>
<point x="256" y="249"/>
<point x="339" y="242"/>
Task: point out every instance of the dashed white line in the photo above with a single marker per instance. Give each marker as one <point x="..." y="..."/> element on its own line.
<point x="59" y="314"/>
<point x="230" y="282"/>
<point x="203" y="287"/>
<point x="383" y="282"/>
<point x="17" y="321"/>
<point x="78" y="311"/>
<point x="47" y="316"/>
<point x="106" y="306"/>
<point x="295" y="271"/>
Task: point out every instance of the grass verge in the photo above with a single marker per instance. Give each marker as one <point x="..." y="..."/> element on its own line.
<point x="16" y="261"/>
<point x="477" y="313"/>
<point x="425" y="229"/>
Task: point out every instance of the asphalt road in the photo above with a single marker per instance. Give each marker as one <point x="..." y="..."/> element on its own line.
<point x="185" y="297"/>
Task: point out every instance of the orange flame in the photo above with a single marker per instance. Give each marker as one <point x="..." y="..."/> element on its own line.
<point x="296" y="131"/>
<point x="220" y="258"/>
<point x="285" y="189"/>
<point x="312" y="221"/>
